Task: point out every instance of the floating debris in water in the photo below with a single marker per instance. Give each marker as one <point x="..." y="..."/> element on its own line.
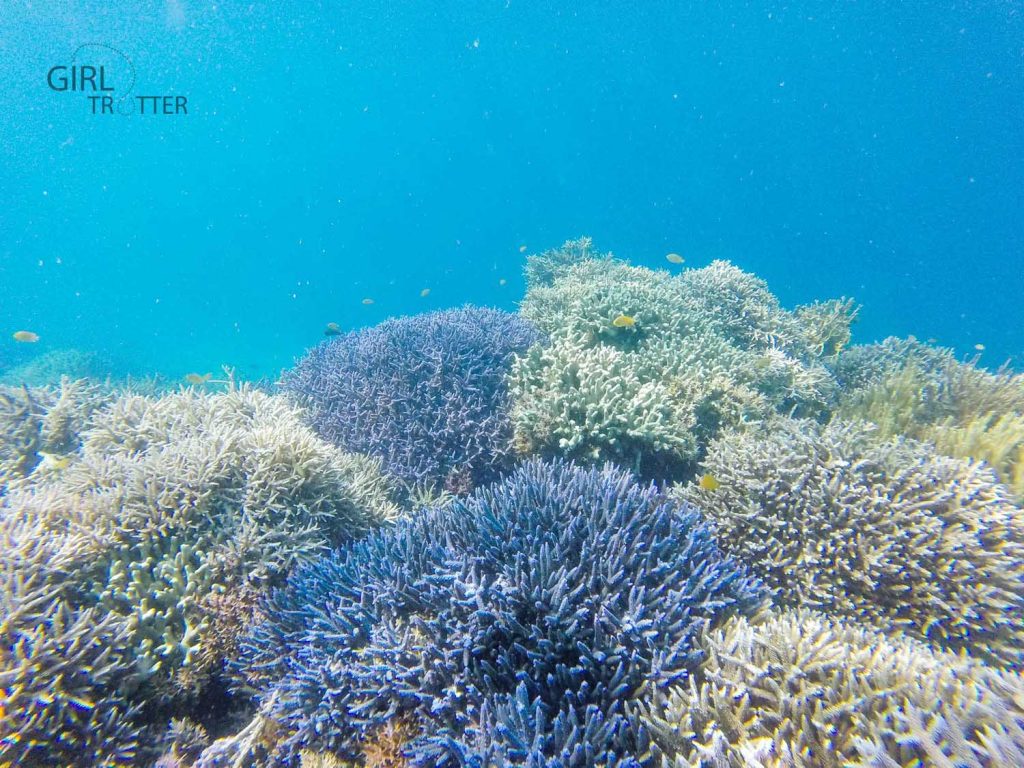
<point x="624" y="321"/>
<point x="425" y="292"/>
<point x="367" y="301"/>
<point x="980" y="347"/>
<point x="198" y="378"/>
<point x="26" y="337"/>
<point x="674" y="258"/>
<point x="709" y="483"/>
<point x="332" y="329"/>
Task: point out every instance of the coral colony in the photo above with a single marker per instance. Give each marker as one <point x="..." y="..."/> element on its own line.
<point x="652" y="520"/>
<point x="426" y="394"/>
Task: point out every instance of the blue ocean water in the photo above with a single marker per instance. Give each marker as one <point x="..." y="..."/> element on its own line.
<point x="334" y="152"/>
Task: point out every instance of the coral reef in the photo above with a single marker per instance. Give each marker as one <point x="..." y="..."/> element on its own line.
<point x="432" y="547"/>
<point x="171" y="514"/>
<point x="40" y="421"/>
<point x="50" y="368"/>
<point x="425" y="394"/>
<point x="187" y="740"/>
<point x="64" y="670"/>
<point x="515" y="623"/>
<point x="803" y="691"/>
<point x="708" y="348"/>
<point x="888" y="532"/>
<point x="965" y="411"/>
<point x="865" y="365"/>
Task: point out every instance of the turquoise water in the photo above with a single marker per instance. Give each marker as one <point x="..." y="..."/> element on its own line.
<point x="339" y="151"/>
<point x="605" y="385"/>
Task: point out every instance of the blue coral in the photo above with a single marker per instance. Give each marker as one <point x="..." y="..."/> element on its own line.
<point x="511" y="626"/>
<point x="426" y="394"/>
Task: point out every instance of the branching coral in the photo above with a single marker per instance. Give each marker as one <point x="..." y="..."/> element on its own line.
<point x="804" y="691"/>
<point x="707" y="348"/>
<point x="172" y="501"/>
<point x="612" y="413"/>
<point x="965" y="411"/>
<point x="425" y="394"/>
<point x="186" y="741"/>
<point x="543" y="268"/>
<point x="865" y="365"/>
<point x="37" y="422"/>
<point x="64" y="670"/>
<point x="891" y="533"/>
<point x="537" y="605"/>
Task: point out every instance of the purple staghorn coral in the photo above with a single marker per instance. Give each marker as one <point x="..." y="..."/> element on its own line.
<point x="425" y="394"/>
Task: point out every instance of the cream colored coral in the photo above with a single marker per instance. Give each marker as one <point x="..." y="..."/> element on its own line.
<point x="602" y="407"/>
<point x="804" y="691"/>
<point x="708" y="348"/>
<point x="174" y="497"/>
<point x="892" y="534"/>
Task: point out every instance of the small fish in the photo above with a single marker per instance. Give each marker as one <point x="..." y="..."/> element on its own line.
<point x="198" y="378"/>
<point x="367" y="302"/>
<point x="425" y="292"/>
<point x="53" y="460"/>
<point x="933" y="340"/>
<point x="709" y="483"/>
<point x="502" y="281"/>
<point x="674" y="258"/>
<point x="26" y="337"/>
<point x="624" y="321"/>
<point x="332" y="329"/>
<point x="522" y="249"/>
<point x="980" y="347"/>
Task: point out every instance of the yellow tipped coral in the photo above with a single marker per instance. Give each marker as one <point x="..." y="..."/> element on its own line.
<point x="965" y="411"/>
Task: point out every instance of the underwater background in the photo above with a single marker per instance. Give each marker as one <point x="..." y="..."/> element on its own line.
<point x="338" y="151"/>
<point x="511" y="385"/>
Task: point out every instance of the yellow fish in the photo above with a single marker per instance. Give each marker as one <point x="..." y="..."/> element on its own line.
<point x="709" y="483"/>
<point x="332" y="329"/>
<point x="26" y="337"/>
<point x="980" y="347"/>
<point x="624" y="321"/>
<point x="53" y="460"/>
<point x="674" y="258"/>
<point x="367" y="302"/>
<point x="197" y="378"/>
<point x="425" y="292"/>
<point x="522" y="249"/>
